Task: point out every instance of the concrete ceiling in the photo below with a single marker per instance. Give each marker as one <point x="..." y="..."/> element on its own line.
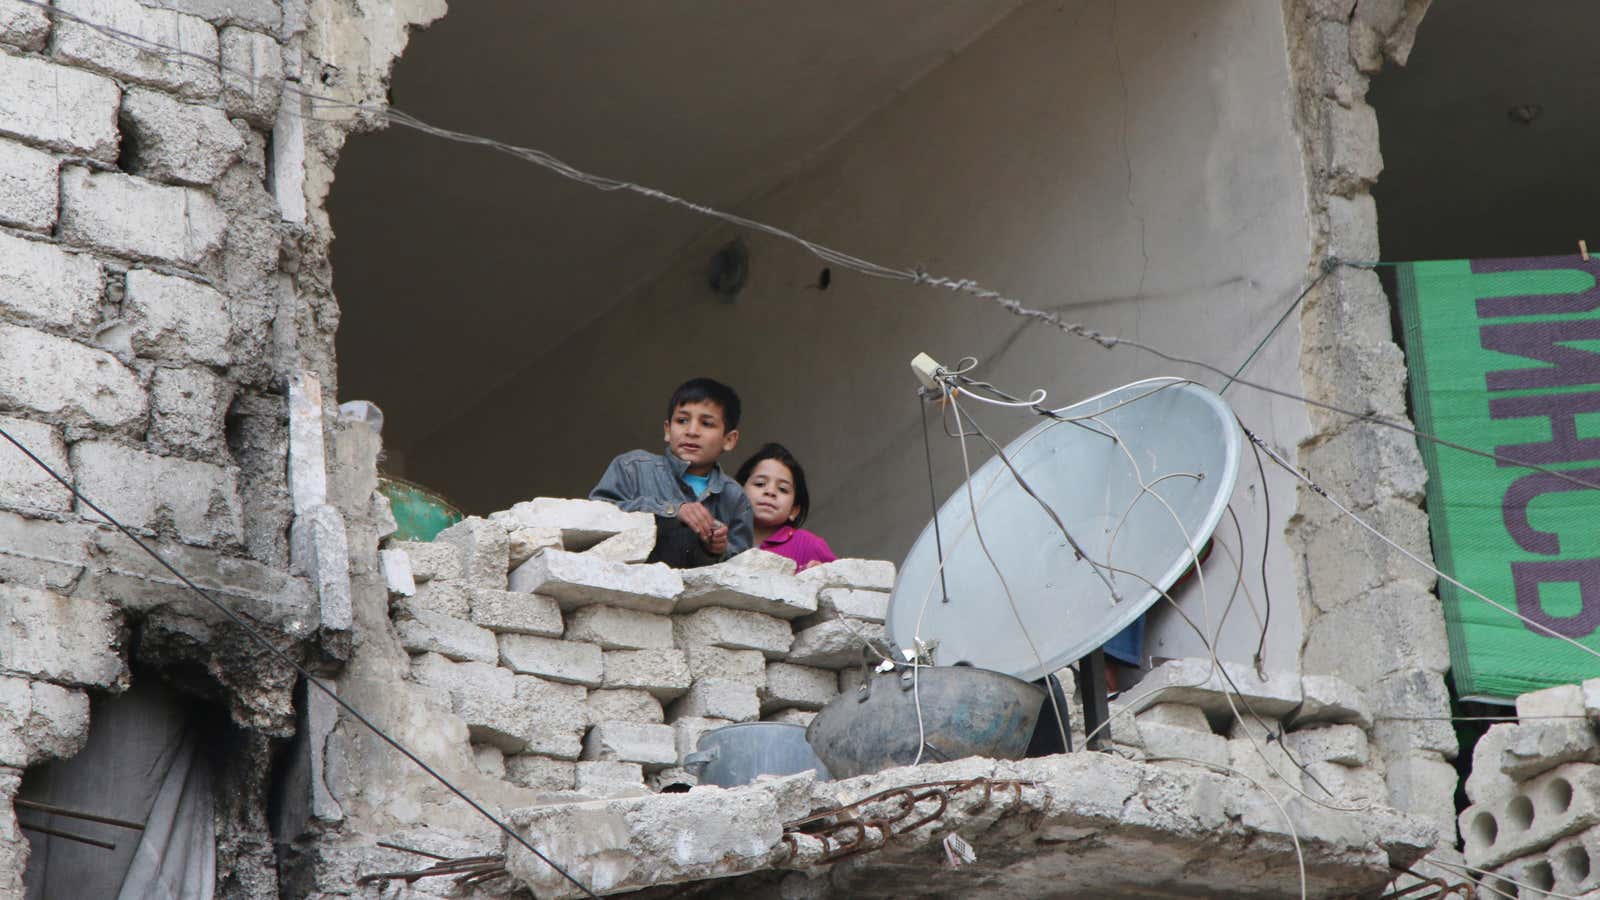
<point x="1462" y="177"/>
<point x="455" y="266"/>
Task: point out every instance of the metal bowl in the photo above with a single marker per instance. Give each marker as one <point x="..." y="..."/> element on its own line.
<point x="736" y="754"/>
<point x="965" y="711"/>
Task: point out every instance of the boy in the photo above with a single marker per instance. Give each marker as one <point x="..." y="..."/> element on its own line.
<point x="702" y="516"/>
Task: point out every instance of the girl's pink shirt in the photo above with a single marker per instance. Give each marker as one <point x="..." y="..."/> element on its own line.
<point x="799" y="545"/>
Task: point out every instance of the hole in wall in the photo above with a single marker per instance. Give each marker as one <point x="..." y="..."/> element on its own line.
<point x="1519" y="813"/>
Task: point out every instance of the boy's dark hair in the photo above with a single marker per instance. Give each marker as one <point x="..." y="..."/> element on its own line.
<point x="802" y="496"/>
<point x="697" y="389"/>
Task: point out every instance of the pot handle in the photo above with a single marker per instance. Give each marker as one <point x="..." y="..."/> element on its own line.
<point x="697" y="761"/>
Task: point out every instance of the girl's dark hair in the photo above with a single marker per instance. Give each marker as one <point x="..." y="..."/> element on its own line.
<point x="802" y="497"/>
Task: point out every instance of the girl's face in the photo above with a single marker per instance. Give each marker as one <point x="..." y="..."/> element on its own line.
<point x="771" y="492"/>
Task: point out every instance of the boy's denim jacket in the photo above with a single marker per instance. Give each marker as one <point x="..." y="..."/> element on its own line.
<point x="641" y="481"/>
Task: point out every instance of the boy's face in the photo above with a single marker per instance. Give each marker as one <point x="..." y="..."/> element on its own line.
<point x="697" y="435"/>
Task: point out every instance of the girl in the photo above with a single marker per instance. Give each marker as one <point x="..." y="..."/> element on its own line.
<point x="776" y="486"/>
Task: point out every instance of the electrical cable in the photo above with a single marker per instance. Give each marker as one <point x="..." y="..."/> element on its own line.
<point x="933" y="497"/>
<point x="1327" y="268"/>
<point x="285" y="658"/>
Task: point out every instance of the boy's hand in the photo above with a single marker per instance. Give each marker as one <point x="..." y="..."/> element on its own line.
<point x="717" y="543"/>
<point x="697" y="517"/>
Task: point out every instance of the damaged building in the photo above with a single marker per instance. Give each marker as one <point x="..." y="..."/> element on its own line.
<point x="187" y="350"/>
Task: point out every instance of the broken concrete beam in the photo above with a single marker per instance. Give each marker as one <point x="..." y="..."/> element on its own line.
<point x="569" y="662"/>
<point x="583" y="523"/>
<point x="1342" y="744"/>
<point x="749" y="666"/>
<point x="40" y="721"/>
<point x="717" y="698"/>
<point x="430" y="561"/>
<point x="1176" y="715"/>
<point x="1197" y="682"/>
<point x="1332" y="700"/>
<point x="1552" y="702"/>
<point x="865" y="574"/>
<point x="737" y="587"/>
<point x="687" y="730"/>
<point x="791" y="686"/>
<point x="837" y="644"/>
<point x="429" y="632"/>
<point x="616" y="628"/>
<point x="484" y="550"/>
<point x="523" y="543"/>
<point x="633" y="546"/>
<point x="734" y="629"/>
<point x="663" y="673"/>
<point x="1538" y="812"/>
<point x="1542" y="744"/>
<point x="73" y="641"/>
<point x="651" y="746"/>
<point x="541" y="773"/>
<point x="611" y="779"/>
<point x="397" y="575"/>
<point x="625" y="705"/>
<point x="514" y="612"/>
<point x="577" y="579"/>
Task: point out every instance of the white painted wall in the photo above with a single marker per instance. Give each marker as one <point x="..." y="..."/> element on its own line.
<point x="1131" y="166"/>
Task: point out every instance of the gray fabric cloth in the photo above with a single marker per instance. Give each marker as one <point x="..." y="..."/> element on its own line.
<point x="144" y="763"/>
<point x="640" y="481"/>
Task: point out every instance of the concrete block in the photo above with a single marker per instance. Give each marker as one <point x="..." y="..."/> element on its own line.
<point x="252" y="77"/>
<point x="320" y="546"/>
<point x="1176" y="715"/>
<point x="1552" y="702"/>
<point x="1561" y="802"/>
<point x="484" y="549"/>
<point x="1342" y="744"/>
<point x="866" y="574"/>
<point x="445" y="598"/>
<point x="1486" y="782"/>
<point x="616" y="628"/>
<point x="1591" y="698"/>
<point x="1380" y="632"/>
<point x="430" y="561"/>
<point x="625" y="705"/>
<point x="1408" y="706"/>
<point x="428" y="632"/>
<point x="577" y="579"/>
<point x="23" y="26"/>
<point x="1542" y="744"/>
<point x="40" y="721"/>
<point x="734" y="629"/>
<point x="1351" y="135"/>
<point x="749" y="666"/>
<point x="791" y="686"/>
<point x="569" y="662"/>
<point x="1179" y="742"/>
<point x="651" y="746"/>
<point x="611" y="778"/>
<point x="1353" y="227"/>
<point x="168" y="140"/>
<point x="308" y="456"/>
<point x="397" y="577"/>
<point x="523" y="543"/>
<point x="1575" y="863"/>
<point x="28" y="186"/>
<point x="516" y="713"/>
<point x="1197" y="682"/>
<point x="737" y="587"/>
<point x="664" y="673"/>
<point x="583" y="523"/>
<point x="1425" y="785"/>
<point x="39" y="283"/>
<point x="632" y="546"/>
<point x="792" y="716"/>
<point x="72" y="641"/>
<point x="1332" y="700"/>
<point x="717" y="698"/>
<point x="511" y="612"/>
<point x="198" y="500"/>
<point x="757" y="560"/>
<point x="687" y="730"/>
<point x="1345" y="784"/>
<point x="81" y="116"/>
<point x="491" y="760"/>
<point x="852" y="603"/>
<point x="131" y="217"/>
<point x="78" y="43"/>
<point x="25" y="486"/>
<point x="263" y="15"/>
<point x="837" y="644"/>
<point x="66" y="381"/>
<point x="560" y="715"/>
<point x="541" y="773"/>
<point x="188" y="409"/>
<point x="175" y="318"/>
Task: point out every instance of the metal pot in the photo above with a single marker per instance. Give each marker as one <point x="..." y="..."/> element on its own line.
<point x="735" y="754"/>
<point x="965" y="711"/>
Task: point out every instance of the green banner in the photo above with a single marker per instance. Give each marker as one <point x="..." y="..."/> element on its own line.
<point x="1504" y="355"/>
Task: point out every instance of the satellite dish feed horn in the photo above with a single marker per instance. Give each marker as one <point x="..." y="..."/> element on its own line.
<point x="1143" y="502"/>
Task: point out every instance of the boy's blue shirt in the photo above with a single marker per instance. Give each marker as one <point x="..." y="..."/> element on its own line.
<point x="641" y="481"/>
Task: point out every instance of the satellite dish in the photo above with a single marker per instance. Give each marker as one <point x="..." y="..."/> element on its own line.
<point x="1176" y="437"/>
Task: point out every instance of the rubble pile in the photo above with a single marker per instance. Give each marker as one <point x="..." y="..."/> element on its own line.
<point x="582" y="671"/>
